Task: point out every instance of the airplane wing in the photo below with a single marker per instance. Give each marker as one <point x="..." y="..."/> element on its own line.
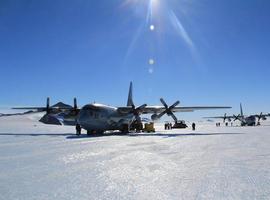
<point x="160" y="109"/>
<point x="30" y="108"/>
<point x="14" y="114"/>
<point x="261" y="116"/>
<point x="42" y="109"/>
<point x="219" y="117"/>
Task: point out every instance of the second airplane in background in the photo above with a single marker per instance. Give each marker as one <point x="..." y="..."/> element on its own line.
<point x="245" y="120"/>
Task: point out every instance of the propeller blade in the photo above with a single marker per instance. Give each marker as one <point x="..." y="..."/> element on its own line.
<point x="75" y="106"/>
<point x="260" y="116"/>
<point x="141" y="107"/>
<point x="174" y="105"/>
<point x="164" y="103"/>
<point x="225" y="117"/>
<point x="174" y="117"/>
<point x="138" y="119"/>
<point x="161" y="114"/>
<point x="138" y="110"/>
<point x="48" y="105"/>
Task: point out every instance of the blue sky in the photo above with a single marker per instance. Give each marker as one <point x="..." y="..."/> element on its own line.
<point x="205" y="52"/>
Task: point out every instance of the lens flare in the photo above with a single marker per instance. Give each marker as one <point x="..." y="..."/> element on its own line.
<point x="181" y="30"/>
<point x="164" y="15"/>
<point x="151" y="61"/>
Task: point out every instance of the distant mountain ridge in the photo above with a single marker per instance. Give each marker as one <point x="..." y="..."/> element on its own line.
<point x="62" y="105"/>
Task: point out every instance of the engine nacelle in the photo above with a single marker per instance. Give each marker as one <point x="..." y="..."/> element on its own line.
<point x="154" y="117"/>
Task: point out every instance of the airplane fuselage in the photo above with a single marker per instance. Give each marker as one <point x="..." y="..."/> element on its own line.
<point x="248" y="121"/>
<point x="98" y="117"/>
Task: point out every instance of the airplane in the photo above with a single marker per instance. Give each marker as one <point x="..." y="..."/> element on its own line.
<point x="98" y="118"/>
<point x="245" y="120"/>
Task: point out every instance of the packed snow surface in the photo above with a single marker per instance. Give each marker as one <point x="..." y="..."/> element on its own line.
<point x="49" y="162"/>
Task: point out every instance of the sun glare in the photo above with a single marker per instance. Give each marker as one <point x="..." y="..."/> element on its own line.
<point x="160" y="14"/>
<point x="151" y="61"/>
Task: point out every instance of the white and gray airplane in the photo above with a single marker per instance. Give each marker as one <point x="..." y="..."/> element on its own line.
<point x="245" y="120"/>
<point x="97" y="117"/>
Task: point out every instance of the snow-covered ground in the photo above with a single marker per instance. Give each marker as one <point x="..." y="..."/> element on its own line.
<point x="48" y="162"/>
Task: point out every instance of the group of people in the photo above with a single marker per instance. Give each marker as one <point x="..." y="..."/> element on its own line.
<point x="168" y="126"/>
<point x="226" y="124"/>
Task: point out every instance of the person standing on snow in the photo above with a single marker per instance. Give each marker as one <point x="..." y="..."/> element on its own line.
<point x="193" y="126"/>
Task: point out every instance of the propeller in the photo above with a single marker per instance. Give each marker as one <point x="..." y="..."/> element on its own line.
<point x="168" y="110"/>
<point x="137" y="111"/>
<point x="237" y="117"/>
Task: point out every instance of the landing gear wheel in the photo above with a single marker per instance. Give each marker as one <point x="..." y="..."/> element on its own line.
<point x="124" y="132"/>
<point x="125" y="129"/>
<point x="100" y="132"/>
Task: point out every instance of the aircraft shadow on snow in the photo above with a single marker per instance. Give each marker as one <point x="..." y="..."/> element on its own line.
<point x="165" y="135"/>
<point x="73" y="136"/>
<point x="36" y="134"/>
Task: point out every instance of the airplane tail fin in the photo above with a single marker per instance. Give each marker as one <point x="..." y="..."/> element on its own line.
<point x="241" y="110"/>
<point x="130" y="99"/>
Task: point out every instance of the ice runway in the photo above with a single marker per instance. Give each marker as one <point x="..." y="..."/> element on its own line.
<point x="48" y="162"/>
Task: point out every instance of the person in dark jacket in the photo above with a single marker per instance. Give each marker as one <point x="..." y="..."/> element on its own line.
<point x="170" y="124"/>
<point x="78" y="129"/>
<point x="193" y="126"/>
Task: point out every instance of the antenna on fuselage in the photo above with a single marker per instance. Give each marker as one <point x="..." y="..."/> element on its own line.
<point x="130" y="99"/>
